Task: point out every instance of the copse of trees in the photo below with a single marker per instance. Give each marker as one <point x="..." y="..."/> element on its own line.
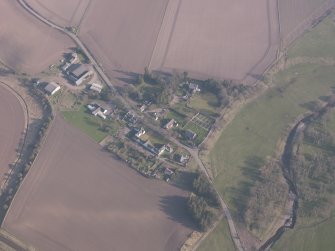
<point x="203" y="203"/>
<point x="225" y="90"/>
<point x="201" y="212"/>
<point x="161" y="90"/>
<point x="202" y="187"/>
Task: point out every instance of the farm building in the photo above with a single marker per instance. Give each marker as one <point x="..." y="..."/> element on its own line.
<point x="52" y="88"/>
<point x="96" y="87"/>
<point x="79" y="74"/>
<point x="190" y="135"/>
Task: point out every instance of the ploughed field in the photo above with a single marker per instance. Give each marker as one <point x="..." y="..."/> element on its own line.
<point x="12" y="120"/>
<point x="230" y="39"/>
<point x="77" y="197"/>
<point x="26" y="44"/>
<point x="214" y="38"/>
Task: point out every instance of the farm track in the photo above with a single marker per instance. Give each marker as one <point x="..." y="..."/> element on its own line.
<point x="194" y="153"/>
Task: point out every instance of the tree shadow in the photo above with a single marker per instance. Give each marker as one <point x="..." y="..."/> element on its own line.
<point x="175" y="207"/>
<point x="184" y="180"/>
<point x="128" y="77"/>
<point x="242" y="192"/>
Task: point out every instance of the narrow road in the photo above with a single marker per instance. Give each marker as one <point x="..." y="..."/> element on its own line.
<point x="194" y="153"/>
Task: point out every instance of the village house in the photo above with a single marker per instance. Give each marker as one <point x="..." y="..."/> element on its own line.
<point x="190" y="135"/>
<point x="143" y="108"/>
<point x="183" y="159"/>
<point x="96" y="87"/>
<point x="97" y="110"/>
<point x="170" y="124"/>
<point x="193" y="88"/>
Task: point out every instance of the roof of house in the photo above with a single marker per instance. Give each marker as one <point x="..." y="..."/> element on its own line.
<point x="190" y="134"/>
<point x="183" y="158"/>
<point x="51" y="87"/>
<point x="169" y="123"/>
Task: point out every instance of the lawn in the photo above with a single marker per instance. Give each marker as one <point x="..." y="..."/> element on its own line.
<point x="219" y="239"/>
<point x="318" y="42"/>
<point x="86" y="122"/>
<point x="180" y="113"/>
<point x="204" y="102"/>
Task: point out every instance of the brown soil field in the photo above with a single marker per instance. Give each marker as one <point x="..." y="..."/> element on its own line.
<point x="208" y="39"/>
<point x="230" y="39"/>
<point x="64" y="13"/>
<point x="77" y="197"/>
<point x="12" y="125"/>
<point x="221" y="39"/>
<point x="122" y="34"/>
<point x="26" y="44"/>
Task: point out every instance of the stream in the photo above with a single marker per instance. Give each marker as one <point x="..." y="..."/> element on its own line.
<point x="288" y="173"/>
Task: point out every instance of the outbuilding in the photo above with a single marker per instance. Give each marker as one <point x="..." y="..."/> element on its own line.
<point x="52" y="88"/>
<point x="79" y="73"/>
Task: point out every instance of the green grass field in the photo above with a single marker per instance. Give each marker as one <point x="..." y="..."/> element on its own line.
<point x="86" y="122"/>
<point x="204" y="102"/>
<point x="219" y="239"/>
<point x="308" y="238"/>
<point x="255" y="131"/>
<point x="317" y="43"/>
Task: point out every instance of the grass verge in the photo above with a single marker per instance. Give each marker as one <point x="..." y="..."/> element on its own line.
<point x="219" y="239"/>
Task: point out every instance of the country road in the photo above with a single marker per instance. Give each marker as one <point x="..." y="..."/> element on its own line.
<point x="194" y="152"/>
